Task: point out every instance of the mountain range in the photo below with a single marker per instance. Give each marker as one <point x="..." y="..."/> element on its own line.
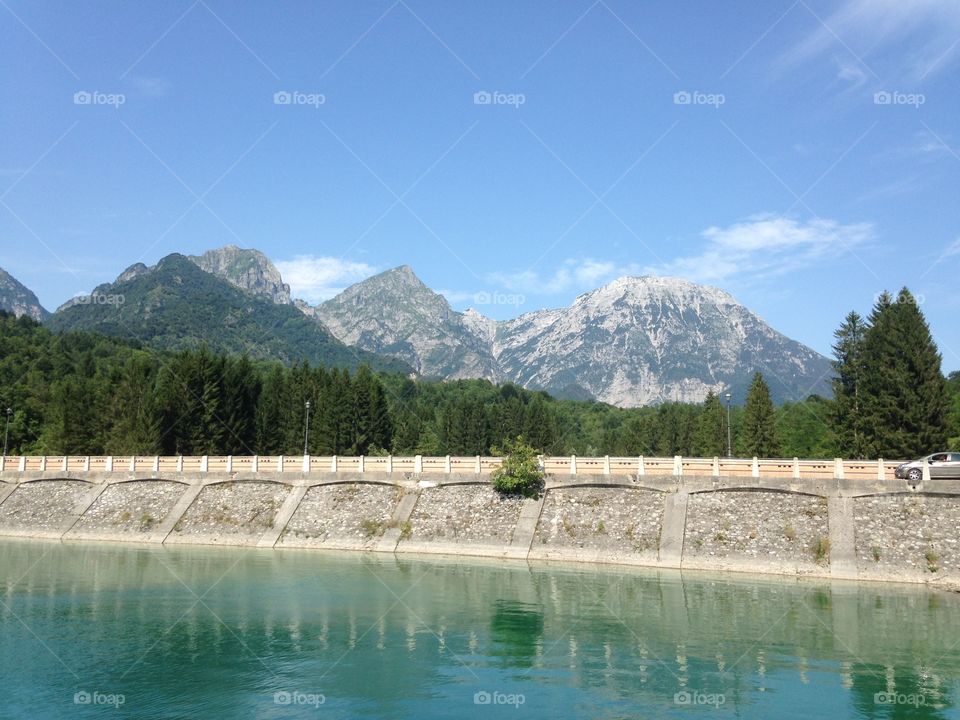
<point x="635" y="341"/>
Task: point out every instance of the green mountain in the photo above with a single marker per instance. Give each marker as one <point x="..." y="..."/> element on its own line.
<point x="18" y="299"/>
<point x="175" y="305"/>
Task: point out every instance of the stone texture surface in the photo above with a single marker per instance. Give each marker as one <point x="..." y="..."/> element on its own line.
<point x="131" y="507"/>
<point x="764" y="527"/>
<point x="347" y="515"/>
<point x="907" y="532"/>
<point x="616" y="520"/>
<point x="41" y="505"/>
<point x="232" y="509"/>
<point x="464" y="514"/>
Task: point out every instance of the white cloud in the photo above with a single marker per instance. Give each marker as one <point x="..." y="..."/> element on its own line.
<point x="573" y="274"/>
<point x="316" y="279"/>
<point x="765" y="246"/>
<point x="918" y="36"/>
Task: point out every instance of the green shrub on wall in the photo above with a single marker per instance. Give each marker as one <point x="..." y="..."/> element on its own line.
<point x="520" y="473"/>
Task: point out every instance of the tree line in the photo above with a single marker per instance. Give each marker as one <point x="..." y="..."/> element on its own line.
<point x="81" y="393"/>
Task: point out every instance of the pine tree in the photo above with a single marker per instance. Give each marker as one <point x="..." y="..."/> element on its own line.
<point x="711" y="435"/>
<point x="759" y="437"/>
<point x="846" y="418"/>
<point x="903" y="389"/>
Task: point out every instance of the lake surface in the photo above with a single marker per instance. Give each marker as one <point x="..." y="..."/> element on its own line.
<point x="109" y="631"/>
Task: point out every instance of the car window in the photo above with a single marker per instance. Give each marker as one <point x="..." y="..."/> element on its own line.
<point x="939" y="458"/>
<point x="954" y="457"/>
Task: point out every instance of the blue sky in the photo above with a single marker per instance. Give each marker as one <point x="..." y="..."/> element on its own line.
<point x="803" y="156"/>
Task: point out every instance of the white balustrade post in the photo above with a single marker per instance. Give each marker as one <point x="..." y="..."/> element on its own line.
<point x="477" y="466"/>
<point x="881" y="470"/>
<point x="3" y="463"/>
<point x="360" y="463"/>
<point x="446" y="465"/>
<point x="279" y="463"/>
<point x="108" y="464"/>
<point x="23" y="463"/>
<point x="133" y="463"/>
<point x="796" y="468"/>
<point x="204" y="464"/>
<point x="606" y="464"/>
<point x="229" y="463"/>
<point x="333" y="463"/>
<point x="306" y="464"/>
<point x="43" y="462"/>
<point x="179" y="463"/>
<point x="573" y="464"/>
<point x="156" y="463"/>
<point x="677" y="466"/>
<point x="390" y="464"/>
<point x="255" y="463"/>
<point x="66" y="460"/>
<point x="86" y="464"/>
<point x="417" y="464"/>
<point x="755" y="468"/>
<point x="641" y="467"/>
<point x="716" y="466"/>
<point x="838" y="468"/>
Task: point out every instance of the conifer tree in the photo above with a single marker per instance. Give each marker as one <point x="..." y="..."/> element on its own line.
<point x="846" y="418"/>
<point x="759" y="437"/>
<point x="904" y="393"/>
<point x="711" y="435"/>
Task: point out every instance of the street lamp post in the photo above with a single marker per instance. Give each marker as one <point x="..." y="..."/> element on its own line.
<point x="306" y="426"/>
<point x="729" y="436"/>
<point x="6" y="431"/>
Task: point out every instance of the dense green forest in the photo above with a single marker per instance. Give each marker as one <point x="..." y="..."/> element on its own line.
<point x="82" y="393"/>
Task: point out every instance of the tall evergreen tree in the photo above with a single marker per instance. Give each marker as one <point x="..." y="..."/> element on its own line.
<point x="711" y="435"/>
<point x="846" y="418"/>
<point x="904" y="395"/>
<point x="759" y="437"/>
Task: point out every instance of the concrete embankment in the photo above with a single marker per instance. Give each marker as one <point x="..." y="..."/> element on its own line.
<point x="866" y="530"/>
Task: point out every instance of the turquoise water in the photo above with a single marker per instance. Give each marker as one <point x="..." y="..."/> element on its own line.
<point x="116" y="631"/>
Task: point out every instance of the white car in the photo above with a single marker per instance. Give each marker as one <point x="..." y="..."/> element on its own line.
<point x="942" y="465"/>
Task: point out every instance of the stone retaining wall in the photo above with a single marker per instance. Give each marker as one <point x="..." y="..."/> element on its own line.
<point x="837" y="530"/>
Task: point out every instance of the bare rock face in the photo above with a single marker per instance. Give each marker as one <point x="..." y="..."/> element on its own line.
<point x="636" y="341"/>
<point x="398" y="315"/>
<point x="249" y="270"/>
<point x="17" y="299"/>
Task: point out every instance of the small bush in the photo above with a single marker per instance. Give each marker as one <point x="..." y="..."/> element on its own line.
<point x="520" y="472"/>
<point x="601" y="527"/>
<point x="821" y="549"/>
<point x="876" y="553"/>
<point x="789" y="532"/>
<point x="932" y="560"/>
<point x="371" y="528"/>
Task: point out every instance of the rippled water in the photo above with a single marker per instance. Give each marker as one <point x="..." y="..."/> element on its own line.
<point x="116" y="631"/>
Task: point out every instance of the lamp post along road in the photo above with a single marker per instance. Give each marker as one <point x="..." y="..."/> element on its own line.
<point x="306" y="427"/>
<point x="6" y="431"/>
<point x="729" y="436"/>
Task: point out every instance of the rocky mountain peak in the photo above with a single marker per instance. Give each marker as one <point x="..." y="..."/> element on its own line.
<point x="18" y="299"/>
<point x="247" y="269"/>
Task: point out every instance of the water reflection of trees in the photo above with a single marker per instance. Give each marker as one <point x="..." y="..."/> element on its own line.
<point x="516" y="631"/>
